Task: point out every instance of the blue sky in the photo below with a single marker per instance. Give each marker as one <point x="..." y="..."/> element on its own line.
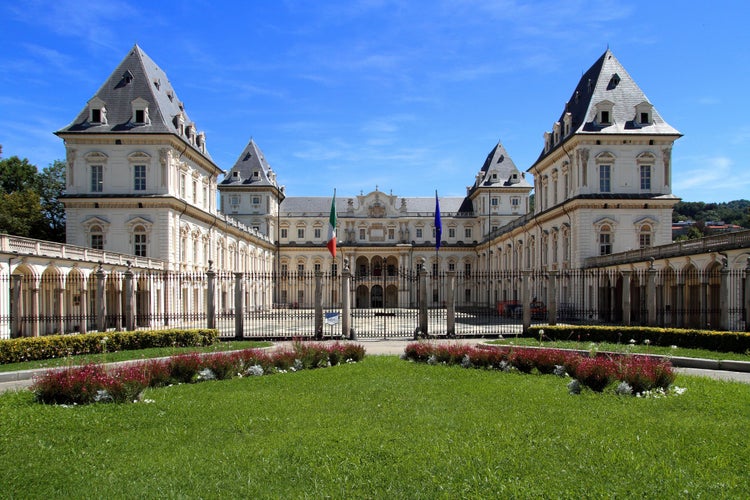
<point x="407" y="96"/>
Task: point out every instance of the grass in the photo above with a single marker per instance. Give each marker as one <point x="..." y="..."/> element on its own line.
<point x="382" y="428"/>
<point x="156" y="352"/>
<point x="635" y="349"/>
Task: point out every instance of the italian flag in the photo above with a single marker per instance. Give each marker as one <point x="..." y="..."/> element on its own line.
<point x="332" y="227"/>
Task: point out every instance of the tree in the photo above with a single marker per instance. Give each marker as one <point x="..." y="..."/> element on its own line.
<point x="17" y="175"/>
<point x="20" y="213"/>
<point x="51" y="186"/>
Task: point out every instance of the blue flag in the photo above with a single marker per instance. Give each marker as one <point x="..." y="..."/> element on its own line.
<point x="438" y="224"/>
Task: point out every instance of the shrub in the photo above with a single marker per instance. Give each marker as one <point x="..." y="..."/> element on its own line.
<point x="643" y="373"/>
<point x="353" y="352"/>
<point x="419" y="351"/>
<point x="224" y="365"/>
<point x="126" y="382"/>
<point x="60" y="346"/>
<point x="183" y="369"/>
<point x="520" y="360"/>
<point x="595" y="373"/>
<point x="76" y="385"/>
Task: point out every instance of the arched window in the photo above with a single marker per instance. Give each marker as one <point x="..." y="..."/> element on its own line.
<point x="96" y="237"/>
<point x="645" y="239"/>
<point x="140" y="241"/>
<point x="605" y="240"/>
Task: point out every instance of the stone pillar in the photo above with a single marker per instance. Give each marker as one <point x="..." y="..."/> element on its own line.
<point x="651" y="294"/>
<point x="450" y="304"/>
<point x="525" y="301"/>
<point x="16" y="328"/>
<point x="129" y="311"/>
<point x="101" y="300"/>
<point x="680" y="311"/>
<point x="239" y="312"/>
<point x="318" y="306"/>
<point x="552" y="298"/>
<point x="166" y="290"/>
<point x="346" y="303"/>
<point x="210" y="296"/>
<point x="724" y="297"/>
<point x="626" y="320"/>
<point x="59" y="299"/>
<point x="422" y="300"/>
<point x="747" y="296"/>
<point x="34" y="312"/>
<point x="84" y="305"/>
<point x="703" y="301"/>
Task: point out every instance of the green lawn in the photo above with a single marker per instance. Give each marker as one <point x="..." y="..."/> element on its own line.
<point x="636" y="348"/>
<point x="156" y="352"/>
<point x="382" y="428"/>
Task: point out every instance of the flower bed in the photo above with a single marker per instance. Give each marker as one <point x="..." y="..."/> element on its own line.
<point x="636" y="374"/>
<point x="94" y="383"/>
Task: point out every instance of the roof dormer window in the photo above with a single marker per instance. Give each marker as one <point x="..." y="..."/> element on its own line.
<point x="604" y="113"/>
<point x="97" y="111"/>
<point x="643" y="113"/>
<point x="140" y="112"/>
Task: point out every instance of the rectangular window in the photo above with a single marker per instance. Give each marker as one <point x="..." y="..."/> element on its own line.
<point x="419" y="232"/>
<point x="182" y="186"/>
<point x="495" y="202"/>
<point x="97" y="241"/>
<point x="645" y="240"/>
<point x="451" y="232"/>
<point x="300" y="269"/>
<point x="195" y="192"/>
<point x="139" y="177"/>
<point x="96" y="116"/>
<point x="139" y="245"/>
<point x="605" y="178"/>
<point x="605" y="116"/>
<point x="234" y="200"/>
<point x="605" y="245"/>
<point x="515" y="202"/>
<point x="284" y="233"/>
<point x="362" y="234"/>
<point x="97" y="179"/>
<point x="467" y="269"/>
<point x="140" y="116"/>
<point x="644" y="118"/>
<point x="317" y="267"/>
<point x="256" y="200"/>
<point x="646" y="177"/>
<point x="317" y="233"/>
<point x="451" y="266"/>
<point x="300" y="233"/>
<point x="391" y="233"/>
<point x="467" y="232"/>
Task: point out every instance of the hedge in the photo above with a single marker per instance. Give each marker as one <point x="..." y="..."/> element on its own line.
<point x="720" y="341"/>
<point x="60" y="346"/>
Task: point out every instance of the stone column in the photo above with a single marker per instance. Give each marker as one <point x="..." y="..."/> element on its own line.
<point x="552" y="298"/>
<point x="525" y="301"/>
<point x="129" y="311"/>
<point x="318" y="306"/>
<point x="84" y="304"/>
<point x="450" y="304"/>
<point x="16" y="328"/>
<point x="422" y="300"/>
<point x="238" y="306"/>
<point x="101" y="300"/>
<point x="626" y="297"/>
<point x="724" y="297"/>
<point x="210" y="296"/>
<point x="651" y="294"/>
<point x="59" y="299"/>
<point x="346" y="303"/>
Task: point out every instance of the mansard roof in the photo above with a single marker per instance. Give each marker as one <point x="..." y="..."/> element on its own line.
<point x="499" y="170"/>
<point x="251" y="169"/>
<point x="320" y="206"/>
<point x="607" y="83"/>
<point x="137" y="77"/>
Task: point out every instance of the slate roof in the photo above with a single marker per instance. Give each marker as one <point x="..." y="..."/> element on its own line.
<point x="137" y="76"/>
<point x="250" y="161"/>
<point x="499" y="162"/>
<point x="321" y="206"/>
<point x="608" y="80"/>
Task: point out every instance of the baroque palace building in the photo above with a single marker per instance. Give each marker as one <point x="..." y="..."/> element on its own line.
<point x="142" y="187"/>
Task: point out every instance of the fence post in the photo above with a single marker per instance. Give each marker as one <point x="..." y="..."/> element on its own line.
<point x="451" y="304"/>
<point x="166" y="289"/>
<point x="210" y="296"/>
<point x="318" y="305"/>
<point x="626" y="297"/>
<point x="101" y="300"/>
<point x="724" y="297"/>
<point x="552" y="298"/>
<point x="84" y="305"/>
<point x="239" y="311"/>
<point x="680" y="309"/>
<point x="422" y="299"/>
<point x="747" y="296"/>
<point x="651" y="293"/>
<point x="15" y="306"/>
<point x="525" y="301"/>
<point x="129" y="302"/>
<point x="346" y="303"/>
